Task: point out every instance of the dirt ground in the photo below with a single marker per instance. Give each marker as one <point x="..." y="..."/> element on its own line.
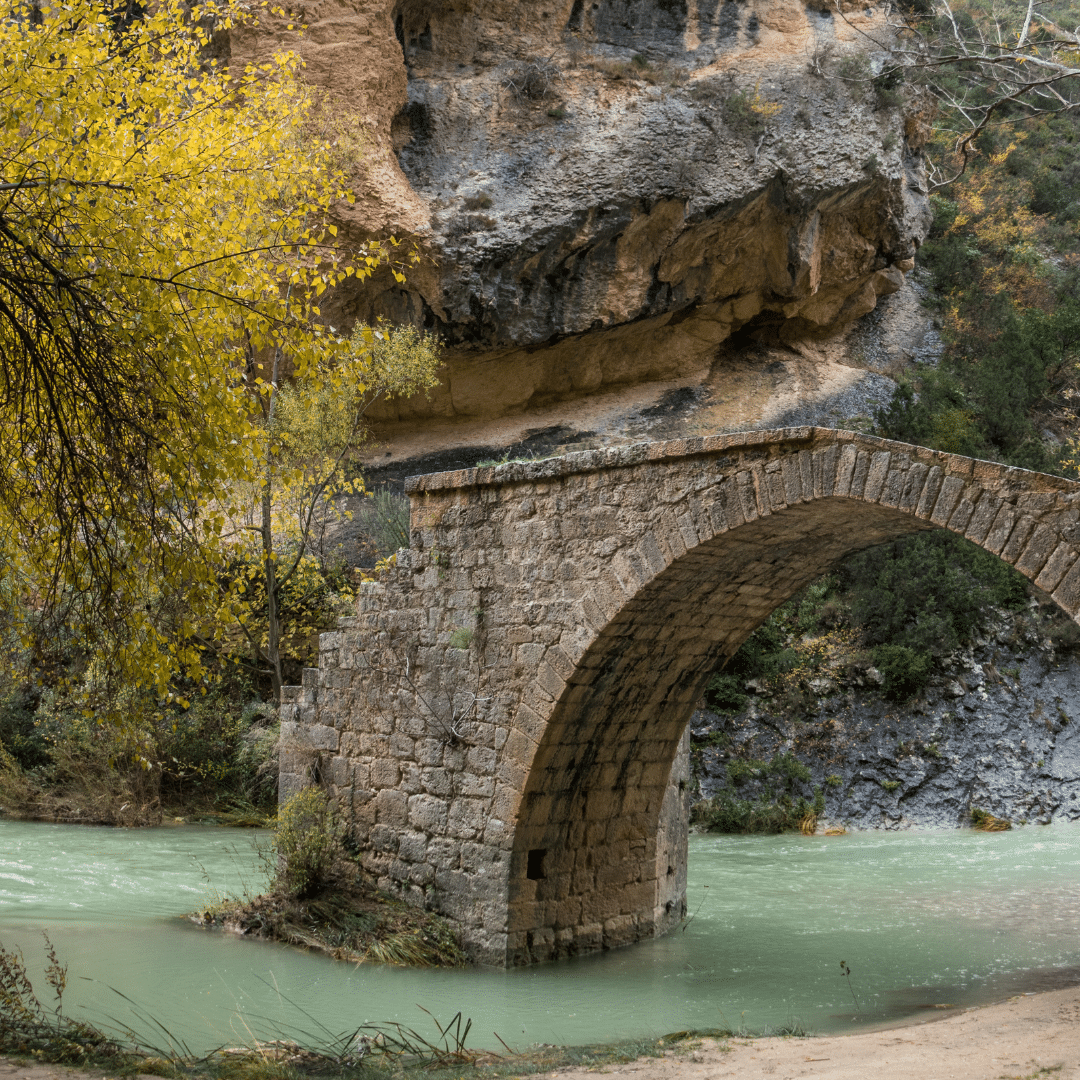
<point x="1024" y="1038"/>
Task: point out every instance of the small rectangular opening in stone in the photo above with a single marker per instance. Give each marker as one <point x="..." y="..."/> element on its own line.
<point x="534" y="870"/>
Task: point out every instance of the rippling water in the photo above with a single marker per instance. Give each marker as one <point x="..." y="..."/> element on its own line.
<point x="922" y="919"/>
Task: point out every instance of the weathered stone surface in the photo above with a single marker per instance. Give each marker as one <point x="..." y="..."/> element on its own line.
<point x="672" y="173"/>
<point x="525" y="721"/>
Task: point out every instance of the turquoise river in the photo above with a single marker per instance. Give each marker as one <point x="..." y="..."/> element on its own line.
<point x="922" y="919"/>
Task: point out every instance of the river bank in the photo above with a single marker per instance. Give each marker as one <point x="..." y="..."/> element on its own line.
<point x="1022" y="1038"/>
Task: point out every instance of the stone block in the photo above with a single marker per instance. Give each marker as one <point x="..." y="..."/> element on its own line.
<point x="878" y="471"/>
<point x="467" y="818"/>
<point x="429" y="751"/>
<point x="385" y="774"/>
<point x="1038" y="549"/>
<point x="412" y="846"/>
<point x="999" y="532"/>
<point x="1018" y="538"/>
<point x="1067" y="594"/>
<point x="427" y="813"/>
<point x="983" y="518"/>
<point x="619" y="931"/>
<point x="951" y="489"/>
<point x="935" y="477"/>
<point x="958" y="523"/>
<point x="410" y="781"/>
<point x="391" y="808"/>
<point x="402" y="746"/>
<point x="384" y="837"/>
<point x="1057" y="566"/>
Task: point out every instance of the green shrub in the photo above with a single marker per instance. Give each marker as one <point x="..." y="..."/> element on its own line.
<point x="905" y="671"/>
<point x="789" y="770"/>
<point x="725" y="812"/>
<point x="740" y="770"/>
<point x="307" y="839"/>
<point x="385" y="518"/>
<point x="18" y="732"/>
<point x="906" y="602"/>
<point x="725" y="693"/>
<point x="928" y="593"/>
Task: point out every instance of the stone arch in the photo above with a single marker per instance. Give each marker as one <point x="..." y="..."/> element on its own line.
<point x="573" y="608"/>
<point x="605" y="716"/>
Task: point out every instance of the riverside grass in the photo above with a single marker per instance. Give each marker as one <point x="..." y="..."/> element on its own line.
<point x="352" y="922"/>
<point x="34" y="1030"/>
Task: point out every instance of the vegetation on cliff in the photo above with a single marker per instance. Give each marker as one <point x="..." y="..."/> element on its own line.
<point x="1003" y="262"/>
<point x="894" y="623"/>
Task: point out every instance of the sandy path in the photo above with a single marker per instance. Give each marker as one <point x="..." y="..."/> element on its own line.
<point x="1025" y="1038"/>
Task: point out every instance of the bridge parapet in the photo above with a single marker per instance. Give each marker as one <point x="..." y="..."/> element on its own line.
<point x="499" y="720"/>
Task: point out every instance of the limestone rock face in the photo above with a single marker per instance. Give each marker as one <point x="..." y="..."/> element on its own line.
<point x="604" y="191"/>
<point x="995" y="731"/>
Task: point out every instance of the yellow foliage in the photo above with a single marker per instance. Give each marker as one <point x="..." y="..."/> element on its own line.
<point x="152" y="204"/>
<point x="278" y="518"/>
<point x="760" y="106"/>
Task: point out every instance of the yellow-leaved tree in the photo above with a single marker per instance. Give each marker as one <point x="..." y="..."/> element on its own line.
<point x="312" y="427"/>
<point x="164" y="233"/>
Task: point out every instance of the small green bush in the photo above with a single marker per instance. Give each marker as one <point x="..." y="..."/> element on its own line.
<point x="928" y="593"/>
<point x="904" y="669"/>
<point x="740" y="770"/>
<point x="307" y="839"/>
<point x="18" y="732"/>
<point x="385" y="518"/>
<point x="725" y="812"/>
<point x="725" y="693"/>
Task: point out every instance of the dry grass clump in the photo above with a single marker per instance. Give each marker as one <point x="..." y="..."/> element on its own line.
<point x="984" y="821"/>
<point x="86" y="789"/>
<point x="534" y="79"/>
<point x="353" y="922"/>
<point x="641" y="68"/>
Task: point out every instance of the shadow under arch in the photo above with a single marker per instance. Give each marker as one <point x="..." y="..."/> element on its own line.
<point x="585" y="869"/>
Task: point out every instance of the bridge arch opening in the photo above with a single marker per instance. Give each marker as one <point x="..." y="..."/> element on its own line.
<point x="601" y="797"/>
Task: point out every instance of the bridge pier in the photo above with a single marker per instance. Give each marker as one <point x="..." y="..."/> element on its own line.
<point x="500" y="722"/>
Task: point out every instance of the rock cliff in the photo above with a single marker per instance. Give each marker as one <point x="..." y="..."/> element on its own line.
<point x="994" y="732"/>
<point x="602" y="193"/>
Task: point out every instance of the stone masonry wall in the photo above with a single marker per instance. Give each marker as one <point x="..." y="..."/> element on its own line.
<point x="499" y="721"/>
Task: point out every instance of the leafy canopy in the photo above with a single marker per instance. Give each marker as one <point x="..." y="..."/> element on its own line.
<point x="164" y="229"/>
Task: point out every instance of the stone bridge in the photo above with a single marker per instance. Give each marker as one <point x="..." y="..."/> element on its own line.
<point x="499" y="721"/>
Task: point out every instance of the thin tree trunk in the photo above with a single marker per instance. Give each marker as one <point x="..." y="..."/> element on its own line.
<point x="273" y="643"/>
